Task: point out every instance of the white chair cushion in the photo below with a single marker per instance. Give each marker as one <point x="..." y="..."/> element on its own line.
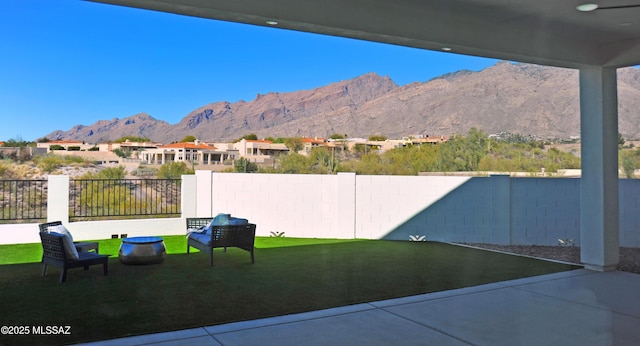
<point x="69" y="248"/>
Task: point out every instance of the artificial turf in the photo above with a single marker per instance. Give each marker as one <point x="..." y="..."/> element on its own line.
<point x="289" y="276"/>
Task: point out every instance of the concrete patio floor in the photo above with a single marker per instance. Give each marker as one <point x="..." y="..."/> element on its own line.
<point x="578" y="307"/>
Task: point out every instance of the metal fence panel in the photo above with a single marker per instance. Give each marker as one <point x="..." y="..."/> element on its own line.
<point x="93" y="199"/>
<point x="23" y="200"/>
<point x="123" y="198"/>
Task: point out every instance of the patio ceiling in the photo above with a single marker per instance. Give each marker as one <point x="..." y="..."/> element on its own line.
<point x="548" y="32"/>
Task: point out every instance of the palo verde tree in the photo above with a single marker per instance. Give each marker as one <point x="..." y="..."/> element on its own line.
<point x="294" y="144"/>
<point x="293" y="163"/>
<point x="243" y="165"/>
<point x="629" y="161"/>
<point x="463" y="153"/>
<point x="188" y="139"/>
<point x="378" y="138"/>
<point x="132" y="139"/>
<point x="323" y="160"/>
<point x="249" y="137"/>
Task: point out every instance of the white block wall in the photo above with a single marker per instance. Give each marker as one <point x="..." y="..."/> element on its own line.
<point x="395" y="207"/>
<point x="545" y="210"/>
<point x="299" y="205"/>
<point x="496" y="209"/>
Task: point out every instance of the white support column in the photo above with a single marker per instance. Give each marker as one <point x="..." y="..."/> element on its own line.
<point x="58" y="198"/>
<point x="599" y="214"/>
<point x="204" y="191"/>
<point x="189" y="196"/>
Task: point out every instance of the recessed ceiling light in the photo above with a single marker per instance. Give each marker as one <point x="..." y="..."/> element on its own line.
<point x="271" y="22"/>
<point x="587" y="7"/>
<point x="446" y="49"/>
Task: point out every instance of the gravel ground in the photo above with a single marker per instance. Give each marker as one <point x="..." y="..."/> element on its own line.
<point x="629" y="257"/>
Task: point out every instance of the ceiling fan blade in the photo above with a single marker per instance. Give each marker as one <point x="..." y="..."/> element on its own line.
<point x="616" y="7"/>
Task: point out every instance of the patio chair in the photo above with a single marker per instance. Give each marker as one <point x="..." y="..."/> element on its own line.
<point x="220" y="236"/>
<point x="56" y="252"/>
<point x="80" y="246"/>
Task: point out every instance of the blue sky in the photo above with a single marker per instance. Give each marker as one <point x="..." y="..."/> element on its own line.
<point x="70" y="62"/>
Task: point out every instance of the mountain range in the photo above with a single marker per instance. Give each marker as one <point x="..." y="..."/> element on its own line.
<point x="506" y="97"/>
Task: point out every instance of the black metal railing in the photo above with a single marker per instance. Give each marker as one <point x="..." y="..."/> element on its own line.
<point x="91" y="199"/>
<point x="23" y="200"/>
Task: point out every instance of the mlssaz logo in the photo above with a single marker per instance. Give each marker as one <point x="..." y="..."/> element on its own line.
<point x="417" y="238"/>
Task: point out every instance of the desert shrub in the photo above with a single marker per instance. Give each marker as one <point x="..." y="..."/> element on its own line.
<point x="74" y="160"/>
<point x="122" y="153"/>
<point x="145" y="172"/>
<point x="173" y="170"/>
<point x="49" y="163"/>
<point x="5" y="171"/>
<point x="106" y="173"/>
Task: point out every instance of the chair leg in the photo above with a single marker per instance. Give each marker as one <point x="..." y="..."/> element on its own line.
<point x="63" y="275"/>
<point x="252" y="258"/>
<point x="105" y="267"/>
<point x="44" y="270"/>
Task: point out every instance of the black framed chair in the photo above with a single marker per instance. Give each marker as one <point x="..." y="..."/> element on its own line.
<point x="55" y="254"/>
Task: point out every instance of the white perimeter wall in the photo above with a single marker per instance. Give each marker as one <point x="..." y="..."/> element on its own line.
<point x="496" y="209"/>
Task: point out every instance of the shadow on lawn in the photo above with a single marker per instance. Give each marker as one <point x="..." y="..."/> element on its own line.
<point x="185" y="292"/>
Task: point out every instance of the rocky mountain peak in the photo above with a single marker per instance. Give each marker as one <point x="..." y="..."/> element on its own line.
<point x="512" y="97"/>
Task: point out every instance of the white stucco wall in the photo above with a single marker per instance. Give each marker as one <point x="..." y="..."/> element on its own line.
<point x="496" y="209"/>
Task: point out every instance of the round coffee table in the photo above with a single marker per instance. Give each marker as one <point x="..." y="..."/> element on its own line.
<point x="142" y="250"/>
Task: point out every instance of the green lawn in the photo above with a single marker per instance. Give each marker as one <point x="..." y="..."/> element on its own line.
<point x="289" y="276"/>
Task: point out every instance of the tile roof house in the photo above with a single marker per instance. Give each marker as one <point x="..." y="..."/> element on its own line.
<point x="259" y="151"/>
<point x="66" y="144"/>
<point x="192" y="152"/>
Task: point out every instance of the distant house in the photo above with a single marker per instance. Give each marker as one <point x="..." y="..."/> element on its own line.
<point x="98" y="157"/>
<point x="425" y="139"/>
<point x="259" y="151"/>
<point x="6" y="151"/>
<point x="128" y="146"/>
<point x="310" y="143"/>
<point x="69" y="145"/>
<point x="190" y="152"/>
